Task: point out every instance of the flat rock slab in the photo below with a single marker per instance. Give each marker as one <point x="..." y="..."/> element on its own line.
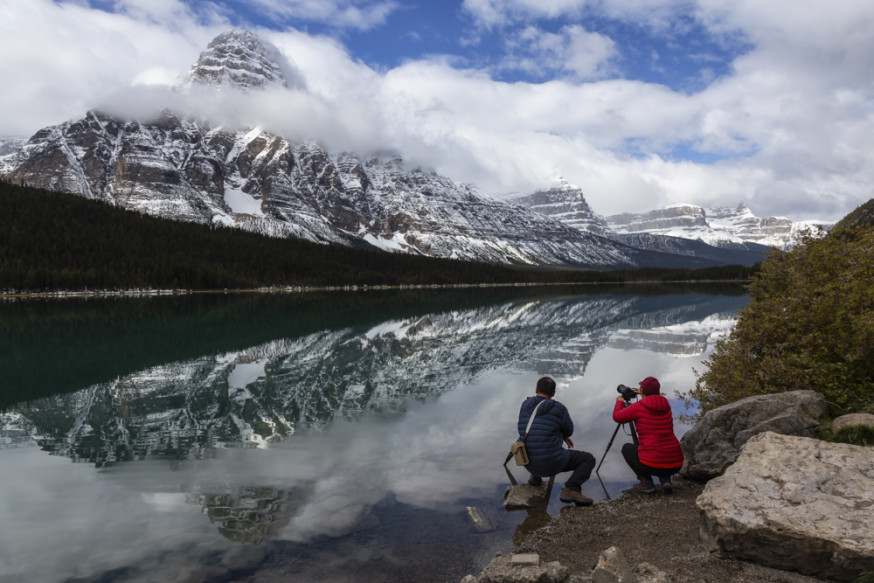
<point x="523" y="496"/>
<point x="794" y="503"/>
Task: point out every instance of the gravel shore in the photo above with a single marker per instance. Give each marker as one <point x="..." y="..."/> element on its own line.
<point x="660" y="529"/>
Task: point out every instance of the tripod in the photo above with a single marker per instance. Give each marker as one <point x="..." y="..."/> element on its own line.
<point x="610" y="444"/>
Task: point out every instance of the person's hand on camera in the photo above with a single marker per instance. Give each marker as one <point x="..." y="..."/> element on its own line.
<point x="619" y="399"/>
<point x="569" y="443"/>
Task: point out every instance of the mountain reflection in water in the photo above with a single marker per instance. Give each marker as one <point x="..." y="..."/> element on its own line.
<point x="322" y="432"/>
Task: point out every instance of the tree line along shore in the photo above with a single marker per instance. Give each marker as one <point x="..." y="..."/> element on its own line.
<point x="52" y="241"/>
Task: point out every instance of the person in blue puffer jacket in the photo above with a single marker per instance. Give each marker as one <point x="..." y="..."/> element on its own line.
<point x="551" y="427"/>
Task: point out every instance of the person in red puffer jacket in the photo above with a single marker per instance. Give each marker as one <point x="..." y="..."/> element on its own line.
<point x="659" y="453"/>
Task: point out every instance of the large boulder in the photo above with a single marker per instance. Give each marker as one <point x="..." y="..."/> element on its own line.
<point x="796" y="504"/>
<point x="715" y="441"/>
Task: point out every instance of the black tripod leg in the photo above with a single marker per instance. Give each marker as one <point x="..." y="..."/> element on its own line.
<point x="615" y="431"/>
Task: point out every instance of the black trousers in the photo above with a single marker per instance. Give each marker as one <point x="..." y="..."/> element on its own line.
<point x="629" y="452"/>
<point x="581" y="463"/>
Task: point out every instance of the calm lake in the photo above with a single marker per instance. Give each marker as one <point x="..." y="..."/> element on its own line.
<point x="333" y="437"/>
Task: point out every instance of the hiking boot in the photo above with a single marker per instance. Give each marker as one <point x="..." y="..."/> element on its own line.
<point x="535" y="480"/>
<point x="575" y="497"/>
<point x="645" y="486"/>
<point x="667" y="487"/>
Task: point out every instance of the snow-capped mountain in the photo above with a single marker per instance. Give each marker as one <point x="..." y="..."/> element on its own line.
<point x="186" y="169"/>
<point x="240" y="60"/>
<point x="567" y="203"/>
<point x="719" y="227"/>
<point x="189" y="169"/>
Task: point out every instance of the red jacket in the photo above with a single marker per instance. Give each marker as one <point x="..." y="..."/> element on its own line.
<point x="659" y="447"/>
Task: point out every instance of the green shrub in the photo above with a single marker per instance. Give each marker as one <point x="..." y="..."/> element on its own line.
<point x="856" y="435"/>
<point x="809" y="325"/>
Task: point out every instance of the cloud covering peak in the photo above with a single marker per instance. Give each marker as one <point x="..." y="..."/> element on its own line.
<point x="642" y="104"/>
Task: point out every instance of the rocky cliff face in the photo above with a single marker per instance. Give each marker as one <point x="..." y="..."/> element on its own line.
<point x="566" y="203"/>
<point x="721" y="227"/>
<point x="239" y="59"/>
<point x="680" y="234"/>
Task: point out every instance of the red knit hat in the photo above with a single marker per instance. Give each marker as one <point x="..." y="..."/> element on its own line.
<point x="650" y="386"/>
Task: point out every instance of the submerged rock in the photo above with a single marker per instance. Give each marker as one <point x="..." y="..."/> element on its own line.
<point x="796" y="504"/>
<point x="522" y="496"/>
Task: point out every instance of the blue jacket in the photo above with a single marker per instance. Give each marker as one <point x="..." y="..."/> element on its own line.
<point x="545" y="442"/>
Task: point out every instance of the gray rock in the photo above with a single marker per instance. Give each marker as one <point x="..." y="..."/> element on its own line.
<point x="851" y="420"/>
<point x="522" y="496"/>
<point x="715" y="441"/>
<point x="525" y="559"/>
<point x="507" y="569"/>
<point x="480" y="522"/>
<point x="796" y="504"/>
<point x="612" y="567"/>
<point x="649" y="573"/>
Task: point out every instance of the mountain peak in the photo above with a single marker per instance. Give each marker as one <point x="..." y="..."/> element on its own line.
<point x="242" y="60"/>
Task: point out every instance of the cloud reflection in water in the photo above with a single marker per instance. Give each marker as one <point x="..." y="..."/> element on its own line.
<point x="419" y="410"/>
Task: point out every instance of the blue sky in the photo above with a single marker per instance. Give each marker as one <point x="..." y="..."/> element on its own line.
<point x="642" y="103"/>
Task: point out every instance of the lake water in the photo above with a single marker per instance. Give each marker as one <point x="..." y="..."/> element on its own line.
<point x="309" y="437"/>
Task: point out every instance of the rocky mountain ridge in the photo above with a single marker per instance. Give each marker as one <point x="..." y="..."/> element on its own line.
<point x="194" y="170"/>
<point x="719" y="226"/>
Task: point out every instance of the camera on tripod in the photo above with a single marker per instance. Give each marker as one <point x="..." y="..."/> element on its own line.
<point x="627" y="392"/>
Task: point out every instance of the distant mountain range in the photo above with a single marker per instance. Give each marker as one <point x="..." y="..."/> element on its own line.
<point x="188" y="169"/>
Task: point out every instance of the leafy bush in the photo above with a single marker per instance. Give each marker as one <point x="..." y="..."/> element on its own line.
<point x="809" y="325"/>
<point x="856" y="435"/>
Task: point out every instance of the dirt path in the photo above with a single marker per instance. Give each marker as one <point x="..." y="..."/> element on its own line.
<point x="658" y="529"/>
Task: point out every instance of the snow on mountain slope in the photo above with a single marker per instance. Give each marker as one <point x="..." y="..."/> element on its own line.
<point x="713" y="226"/>
<point x="239" y="59"/>
<point x="193" y="170"/>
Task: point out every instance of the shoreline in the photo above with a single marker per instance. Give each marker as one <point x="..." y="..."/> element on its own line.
<point x="152" y="292"/>
<point x="659" y="529"/>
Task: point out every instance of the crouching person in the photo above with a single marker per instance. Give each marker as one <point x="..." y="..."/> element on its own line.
<point x="658" y="453"/>
<point x="550" y="428"/>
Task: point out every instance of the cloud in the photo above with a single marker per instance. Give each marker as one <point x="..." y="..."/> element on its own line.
<point x="573" y="50"/>
<point x="787" y="127"/>
<point x="360" y="14"/>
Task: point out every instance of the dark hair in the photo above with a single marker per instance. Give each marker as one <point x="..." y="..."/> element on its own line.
<point x="546" y="386"/>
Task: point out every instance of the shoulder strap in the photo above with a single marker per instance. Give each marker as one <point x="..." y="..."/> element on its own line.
<point x="531" y="419"/>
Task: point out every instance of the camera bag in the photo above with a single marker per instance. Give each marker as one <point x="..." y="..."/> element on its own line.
<point x="517" y="450"/>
